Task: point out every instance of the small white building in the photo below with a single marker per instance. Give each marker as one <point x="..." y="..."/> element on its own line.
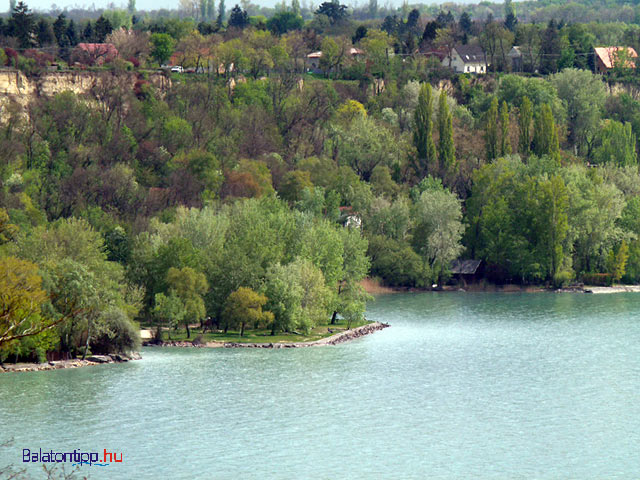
<point x="466" y="59"/>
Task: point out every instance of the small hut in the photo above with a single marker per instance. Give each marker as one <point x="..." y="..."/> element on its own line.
<point x="466" y="271"/>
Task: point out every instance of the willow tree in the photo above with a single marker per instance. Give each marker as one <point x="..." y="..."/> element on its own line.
<point x="617" y="145"/>
<point x="446" y="147"/>
<point x="423" y="132"/>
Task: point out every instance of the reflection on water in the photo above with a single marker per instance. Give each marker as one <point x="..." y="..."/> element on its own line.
<point x="461" y="386"/>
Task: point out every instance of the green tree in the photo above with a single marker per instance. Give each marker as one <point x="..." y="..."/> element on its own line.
<point x="355" y="266"/>
<point x="244" y="307"/>
<point x="284" y="21"/>
<point x="168" y="311"/>
<point x="22" y="24"/>
<point x="446" y="146"/>
<point x="162" y="47"/>
<point x="423" y="133"/>
<point x="238" y="18"/>
<point x="617" y="145"/>
<point x="438" y="217"/>
<point x="505" y="143"/>
<point x="594" y="210"/>
<point x="525" y="118"/>
<point x="545" y="134"/>
<point x="189" y="286"/>
<point x="617" y="261"/>
<point x="491" y="131"/>
<point x="285" y="299"/>
<point x="584" y="95"/>
<point x="549" y="205"/>
<point x="8" y="231"/>
<point x="366" y="144"/>
<point x="21" y="300"/>
<point x="334" y="11"/>
<point x="221" y="13"/>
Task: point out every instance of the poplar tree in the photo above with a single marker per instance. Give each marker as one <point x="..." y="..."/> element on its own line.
<point x="221" y="12"/>
<point x="446" y="146"/>
<point x="545" y="135"/>
<point x="491" y="131"/>
<point x="423" y="132"/>
<point x="505" y="143"/>
<point x="524" y="125"/>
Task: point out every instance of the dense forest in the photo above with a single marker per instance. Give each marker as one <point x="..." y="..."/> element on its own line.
<point x="253" y="193"/>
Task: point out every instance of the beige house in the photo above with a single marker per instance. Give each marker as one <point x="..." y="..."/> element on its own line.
<point x="313" y="59"/>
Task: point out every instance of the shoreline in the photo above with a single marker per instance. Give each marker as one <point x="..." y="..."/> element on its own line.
<point x="73" y="363"/>
<point x="374" y="288"/>
<point x="335" y="339"/>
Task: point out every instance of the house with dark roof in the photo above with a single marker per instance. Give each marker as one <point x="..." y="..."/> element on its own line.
<point x="467" y="59"/>
<point x="466" y="271"/>
<point x="608" y="57"/>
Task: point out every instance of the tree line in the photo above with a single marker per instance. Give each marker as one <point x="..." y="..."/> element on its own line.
<point x="262" y="203"/>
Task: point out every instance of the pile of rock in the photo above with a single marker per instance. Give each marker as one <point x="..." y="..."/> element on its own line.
<point x="73" y="363"/>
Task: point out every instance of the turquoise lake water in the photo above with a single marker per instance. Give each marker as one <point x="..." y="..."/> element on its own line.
<point x="462" y="386"/>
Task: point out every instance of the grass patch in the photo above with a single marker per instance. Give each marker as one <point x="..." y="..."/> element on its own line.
<point x="259" y="336"/>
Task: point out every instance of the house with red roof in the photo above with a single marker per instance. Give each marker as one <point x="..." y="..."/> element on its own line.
<point x="608" y="57"/>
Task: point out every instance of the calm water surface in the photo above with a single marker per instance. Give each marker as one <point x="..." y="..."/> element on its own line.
<point x="461" y="386"/>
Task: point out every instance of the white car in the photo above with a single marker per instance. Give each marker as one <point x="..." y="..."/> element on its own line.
<point x="177" y="69"/>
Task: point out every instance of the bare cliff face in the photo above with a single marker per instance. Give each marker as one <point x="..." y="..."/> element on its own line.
<point x="16" y="86"/>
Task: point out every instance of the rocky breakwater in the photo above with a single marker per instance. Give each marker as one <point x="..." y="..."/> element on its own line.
<point x="73" y="363"/>
<point x="340" y="337"/>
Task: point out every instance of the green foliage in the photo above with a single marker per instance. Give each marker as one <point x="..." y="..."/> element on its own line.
<point x="446" y="146"/>
<point x="365" y="144"/>
<point x="491" y="131"/>
<point x="438" y="216"/>
<point x="395" y="261"/>
<point x="505" y="143"/>
<point x="617" y="145"/>
<point x="285" y="21"/>
<point x="189" y="286"/>
<point x="168" y="311"/>
<point x="244" y="307"/>
<point x="525" y="118"/>
<point x="519" y="219"/>
<point x="583" y="95"/>
<point x="617" y="261"/>
<point x="21" y="302"/>
<point x="163" y="45"/>
<point x="423" y="133"/>
<point x="545" y="134"/>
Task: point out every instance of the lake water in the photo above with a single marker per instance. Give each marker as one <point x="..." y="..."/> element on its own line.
<point x="462" y="386"/>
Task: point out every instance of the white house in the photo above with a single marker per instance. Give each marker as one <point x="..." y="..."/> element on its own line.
<point x="466" y="59"/>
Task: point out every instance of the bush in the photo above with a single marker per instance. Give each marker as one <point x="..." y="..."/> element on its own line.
<point x="395" y="262"/>
<point x="116" y="334"/>
<point x="562" y="279"/>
